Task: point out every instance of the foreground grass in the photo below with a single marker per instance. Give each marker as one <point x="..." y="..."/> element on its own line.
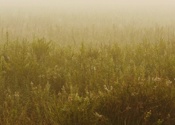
<point x="107" y="84"/>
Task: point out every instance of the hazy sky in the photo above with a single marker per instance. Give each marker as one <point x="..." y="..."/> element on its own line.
<point x="142" y="7"/>
<point x="139" y="3"/>
<point x="84" y="11"/>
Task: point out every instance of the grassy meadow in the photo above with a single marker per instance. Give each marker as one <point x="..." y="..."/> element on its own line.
<point x="89" y="68"/>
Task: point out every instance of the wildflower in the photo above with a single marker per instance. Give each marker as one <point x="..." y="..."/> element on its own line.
<point x="147" y="115"/>
<point x="105" y="87"/>
<point x="9" y="96"/>
<point x="108" y="89"/>
<point x="98" y="115"/>
<point x="94" y="68"/>
<point x="157" y="79"/>
<point x="16" y="94"/>
<point x="31" y="83"/>
<point x="159" y="121"/>
<point x="168" y="82"/>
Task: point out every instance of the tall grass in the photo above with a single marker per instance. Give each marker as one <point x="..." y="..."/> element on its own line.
<point x="74" y="69"/>
<point x="104" y="84"/>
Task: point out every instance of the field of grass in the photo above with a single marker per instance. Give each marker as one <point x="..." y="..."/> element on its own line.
<point x="83" y="70"/>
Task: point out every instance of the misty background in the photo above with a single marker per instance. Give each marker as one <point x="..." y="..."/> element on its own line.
<point x="56" y="18"/>
<point x="134" y="7"/>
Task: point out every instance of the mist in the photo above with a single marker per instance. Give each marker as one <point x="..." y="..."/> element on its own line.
<point x="159" y="6"/>
<point x="28" y="17"/>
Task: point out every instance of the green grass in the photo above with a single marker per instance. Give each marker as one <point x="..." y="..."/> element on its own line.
<point x="104" y="84"/>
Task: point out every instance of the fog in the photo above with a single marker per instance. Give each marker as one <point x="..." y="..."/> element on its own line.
<point x="131" y="8"/>
<point x="90" y="5"/>
<point x="157" y="10"/>
<point x="26" y="17"/>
